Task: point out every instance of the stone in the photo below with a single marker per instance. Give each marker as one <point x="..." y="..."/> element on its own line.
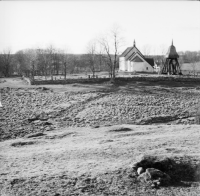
<point x="144" y="177"/>
<point x="140" y="170"/>
<point x="158" y="162"/>
<point x="158" y="183"/>
<point x="156" y="174"/>
<point x="134" y="166"/>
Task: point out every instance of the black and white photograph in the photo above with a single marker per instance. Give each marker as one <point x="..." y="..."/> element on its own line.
<point x="99" y="98"/>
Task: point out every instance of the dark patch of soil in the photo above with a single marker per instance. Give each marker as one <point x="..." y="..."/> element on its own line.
<point x="156" y="119"/>
<point x="120" y="129"/>
<point x="35" y="135"/>
<point x="105" y="141"/>
<point x="60" y="136"/>
<point x="23" y="143"/>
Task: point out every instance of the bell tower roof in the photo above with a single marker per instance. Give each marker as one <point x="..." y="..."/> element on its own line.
<point x="172" y="52"/>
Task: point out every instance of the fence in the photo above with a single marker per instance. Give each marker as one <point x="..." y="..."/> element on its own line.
<point x="123" y="79"/>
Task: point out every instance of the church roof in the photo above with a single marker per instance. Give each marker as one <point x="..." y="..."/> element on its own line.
<point x="126" y="51"/>
<point x="171" y="53"/>
<point x="150" y="61"/>
<point x="131" y="52"/>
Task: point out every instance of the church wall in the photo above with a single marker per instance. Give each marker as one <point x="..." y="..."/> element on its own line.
<point x="141" y="67"/>
<point x="134" y="66"/>
<point x="122" y="63"/>
<point x="128" y="66"/>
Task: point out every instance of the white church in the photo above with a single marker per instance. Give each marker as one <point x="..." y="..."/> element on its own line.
<point x="132" y="60"/>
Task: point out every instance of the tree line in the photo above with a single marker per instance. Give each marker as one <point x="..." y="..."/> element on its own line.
<point x="51" y="61"/>
<point x="48" y="62"/>
<point x="100" y="55"/>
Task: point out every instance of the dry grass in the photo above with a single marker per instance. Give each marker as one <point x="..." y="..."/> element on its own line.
<point x="97" y="161"/>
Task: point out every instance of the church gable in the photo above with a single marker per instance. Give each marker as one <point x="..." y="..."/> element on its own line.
<point x="137" y="59"/>
<point x="133" y="53"/>
<point x="134" y="60"/>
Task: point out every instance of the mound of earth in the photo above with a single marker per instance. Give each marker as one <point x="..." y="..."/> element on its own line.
<point x="167" y="170"/>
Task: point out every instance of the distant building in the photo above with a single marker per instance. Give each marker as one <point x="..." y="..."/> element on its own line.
<point x="171" y="65"/>
<point x="132" y="60"/>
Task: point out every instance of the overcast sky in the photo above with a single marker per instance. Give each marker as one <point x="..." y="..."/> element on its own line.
<point x="72" y="24"/>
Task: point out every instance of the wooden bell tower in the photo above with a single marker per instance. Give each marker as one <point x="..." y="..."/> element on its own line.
<point x="171" y="65"/>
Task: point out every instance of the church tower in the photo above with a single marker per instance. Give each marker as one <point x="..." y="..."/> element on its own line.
<point x="171" y="65"/>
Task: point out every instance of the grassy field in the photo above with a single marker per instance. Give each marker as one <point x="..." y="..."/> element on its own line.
<point x="75" y="148"/>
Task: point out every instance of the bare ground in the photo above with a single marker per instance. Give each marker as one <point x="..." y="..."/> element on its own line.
<point x="94" y="161"/>
<point x="97" y="159"/>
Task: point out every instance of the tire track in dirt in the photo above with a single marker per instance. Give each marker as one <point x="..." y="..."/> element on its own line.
<point x="69" y="115"/>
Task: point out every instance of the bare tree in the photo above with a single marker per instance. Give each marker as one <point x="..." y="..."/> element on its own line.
<point x="41" y="66"/>
<point x="46" y="60"/>
<point x="65" y="59"/>
<point x="50" y="53"/>
<point x="31" y="58"/>
<point x="146" y="49"/>
<point x="75" y="64"/>
<point x="192" y="57"/>
<point x="91" y="57"/>
<point x="6" y="61"/>
<point x="56" y="61"/>
<point x="163" y="49"/>
<point x="181" y="62"/>
<point x="43" y="61"/>
<point x="65" y="66"/>
<point x="100" y="58"/>
<point x="111" y="46"/>
<point x="193" y="63"/>
<point x="21" y="62"/>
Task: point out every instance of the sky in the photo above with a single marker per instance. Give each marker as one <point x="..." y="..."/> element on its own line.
<point x="72" y="25"/>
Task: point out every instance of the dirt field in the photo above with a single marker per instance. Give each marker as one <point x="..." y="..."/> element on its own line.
<point x="83" y="139"/>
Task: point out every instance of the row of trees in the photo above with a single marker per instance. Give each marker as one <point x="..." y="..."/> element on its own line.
<point x="101" y="55"/>
<point x="6" y="63"/>
<point x="50" y="61"/>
